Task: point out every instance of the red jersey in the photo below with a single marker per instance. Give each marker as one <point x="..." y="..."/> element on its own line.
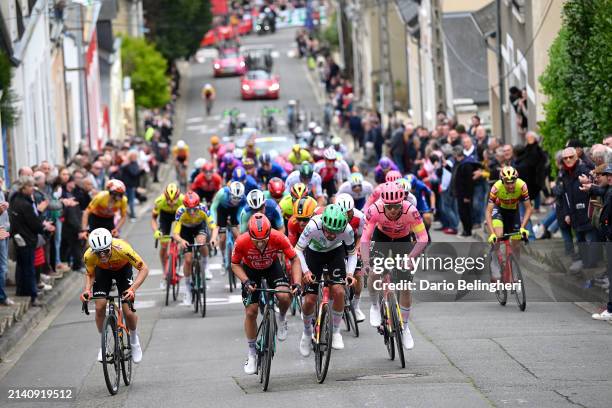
<point x="201" y="183"/>
<point x="246" y="252"/>
<point x="294" y="230"/>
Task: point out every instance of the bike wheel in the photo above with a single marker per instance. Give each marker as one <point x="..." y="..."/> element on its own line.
<point x="197" y="284"/>
<point x="387" y="332"/>
<point x="268" y="348"/>
<point x="168" y="271"/>
<point x="110" y="355"/>
<point x="323" y="347"/>
<point x="203" y="297"/>
<point x="175" y="286"/>
<point x="353" y="318"/>
<point x="293" y="305"/>
<point x="397" y="330"/>
<point x="517" y="279"/>
<point x="126" y="356"/>
<point x="501" y="295"/>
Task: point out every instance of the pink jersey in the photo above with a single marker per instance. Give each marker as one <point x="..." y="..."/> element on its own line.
<point x="374" y="196"/>
<point x="409" y="220"/>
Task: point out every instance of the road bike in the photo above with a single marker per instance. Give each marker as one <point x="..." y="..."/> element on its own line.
<point x="392" y="326"/>
<point x="116" y="346"/>
<point x="266" y="332"/>
<point x="198" y="283"/>
<point x="227" y="261"/>
<point x="349" y="316"/>
<point x="323" y="326"/>
<point x="510" y="271"/>
<point x="171" y="267"/>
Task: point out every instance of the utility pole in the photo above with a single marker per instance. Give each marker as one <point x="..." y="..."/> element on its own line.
<point x="386" y="87"/>
<point x="500" y="73"/>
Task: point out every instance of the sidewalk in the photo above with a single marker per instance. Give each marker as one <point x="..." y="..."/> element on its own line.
<point x="18" y="320"/>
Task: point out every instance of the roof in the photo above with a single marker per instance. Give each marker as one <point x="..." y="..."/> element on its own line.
<point x="466" y="55"/>
<point x="409" y="11"/>
<point x="486" y="18"/>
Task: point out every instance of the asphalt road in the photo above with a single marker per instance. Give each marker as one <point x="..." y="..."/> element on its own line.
<point x="467" y="354"/>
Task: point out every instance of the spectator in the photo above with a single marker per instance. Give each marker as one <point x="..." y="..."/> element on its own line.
<point x="398" y="146"/>
<point x="474" y="125"/>
<point x="71" y="249"/>
<point x="534" y="163"/>
<point x="463" y="187"/>
<point x="4" y="236"/>
<point x="130" y="175"/>
<point x="356" y="129"/>
<point x="448" y="205"/>
<point x="579" y="146"/>
<point x="26" y="227"/>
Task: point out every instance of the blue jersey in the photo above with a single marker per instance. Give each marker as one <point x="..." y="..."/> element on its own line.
<point x="421" y="192"/>
<point x="250" y="184"/>
<point x="271" y="210"/>
<point x="275" y="171"/>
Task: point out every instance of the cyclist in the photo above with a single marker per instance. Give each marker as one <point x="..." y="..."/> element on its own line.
<point x="269" y="169"/>
<point x="356" y="220"/>
<point x="100" y="213"/>
<point x="227" y="204"/>
<point x="391" y="176"/>
<point x="228" y="164"/>
<point x="208" y="96"/>
<point x="336" y="143"/>
<point x="217" y="150"/>
<point x="358" y="188"/>
<point x="325" y="242"/>
<point x="503" y="215"/>
<point x="306" y="175"/>
<point x="390" y="220"/>
<point x="424" y="196"/>
<point x="303" y="210"/>
<point x="257" y="203"/>
<point x="276" y="190"/>
<point x="329" y="170"/>
<point x="298" y="155"/>
<point x="165" y="207"/>
<point x="109" y="259"/>
<point x="407" y="187"/>
<point x="299" y="190"/>
<point x="180" y="152"/>
<point x="240" y="174"/>
<point x="384" y="166"/>
<point x="250" y="150"/>
<point x="250" y="167"/>
<point x="207" y="183"/>
<point x="193" y="224"/>
<point x="197" y="168"/>
<point x="255" y="257"/>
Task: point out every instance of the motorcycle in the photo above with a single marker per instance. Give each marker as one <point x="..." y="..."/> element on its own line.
<point x="263" y="26"/>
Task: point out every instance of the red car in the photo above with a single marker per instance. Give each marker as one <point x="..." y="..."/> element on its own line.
<point x="246" y="25"/>
<point x="258" y="84"/>
<point x="229" y="62"/>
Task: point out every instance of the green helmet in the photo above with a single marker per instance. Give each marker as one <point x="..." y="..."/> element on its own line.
<point x="306" y="170"/>
<point x="334" y="218"/>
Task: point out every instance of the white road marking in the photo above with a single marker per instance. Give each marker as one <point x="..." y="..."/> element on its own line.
<point x="144" y="304"/>
<point x="214" y="266"/>
<point x="195" y="120"/>
<point x="155" y="272"/>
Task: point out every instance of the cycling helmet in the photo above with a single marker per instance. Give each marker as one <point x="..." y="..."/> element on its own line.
<point x="115" y="186"/>
<point x="208" y="86"/>
<point x="256" y="199"/>
<point x="208" y="167"/>
<point x="265" y="158"/>
<point x="334" y="218"/>
<point x="304" y="207"/>
<point x="404" y="184"/>
<point x="306" y="170"/>
<point x="171" y="192"/>
<point x="100" y="239"/>
<point x="181" y="144"/>
<point x="393" y="175"/>
<point x="384" y="163"/>
<point x="356" y="179"/>
<point x="199" y="162"/>
<point x="228" y="158"/>
<point x="392" y="193"/>
<point x="411" y="179"/>
<point x="214" y="140"/>
<point x="276" y="187"/>
<point x="296" y="148"/>
<point x="236" y="189"/>
<point x="191" y="199"/>
<point x="312" y="125"/>
<point x="238" y="153"/>
<point x="330" y="154"/>
<point x="239" y="174"/>
<point x="508" y="173"/>
<point x="247" y="162"/>
<point x="336" y="141"/>
<point x="259" y="226"/>
<point x="298" y="190"/>
<point x="318" y="130"/>
<point x="345" y="201"/>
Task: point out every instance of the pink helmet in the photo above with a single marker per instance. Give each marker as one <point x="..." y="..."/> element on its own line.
<point x="393" y="175"/>
<point x="392" y="193"/>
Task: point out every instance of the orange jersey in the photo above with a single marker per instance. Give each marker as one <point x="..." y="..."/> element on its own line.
<point x="101" y="205"/>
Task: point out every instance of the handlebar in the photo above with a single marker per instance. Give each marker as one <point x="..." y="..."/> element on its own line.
<point x="506" y="237"/>
<point x="85" y="304"/>
<point x="163" y="238"/>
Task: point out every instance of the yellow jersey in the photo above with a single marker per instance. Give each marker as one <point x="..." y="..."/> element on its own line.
<point x="161" y="204"/>
<point x="183" y="217"/>
<point x="303" y="156"/>
<point x="180" y="153"/>
<point x="508" y="200"/>
<point x="101" y="205"/>
<point x="121" y="254"/>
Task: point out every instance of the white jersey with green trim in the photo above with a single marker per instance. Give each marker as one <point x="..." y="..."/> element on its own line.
<point x="314" y="238"/>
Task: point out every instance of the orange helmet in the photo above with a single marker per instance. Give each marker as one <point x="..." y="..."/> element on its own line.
<point x="298" y="190"/>
<point x="214" y="140"/>
<point x="191" y="199"/>
<point x="115" y="186"/>
<point x="259" y="226"/>
<point x="304" y="207"/>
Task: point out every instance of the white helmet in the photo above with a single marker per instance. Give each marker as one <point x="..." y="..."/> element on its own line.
<point x="208" y="86"/>
<point x="345" y="201"/>
<point x="236" y="189"/>
<point x="199" y="162"/>
<point x="256" y="199"/>
<point x="312" y="125"/>
<point x="336" y="140"/>
<point x="318" y="130"/>
<point x="100" y="239"/>
<point x="330" y="154"/>
<point x="356" y="179"/>
<point x="181" y="144"/>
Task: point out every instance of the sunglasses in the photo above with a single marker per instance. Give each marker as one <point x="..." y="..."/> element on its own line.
<point x="569" y="158"/>
<point x="303" y="219"/>
<point x="356" y="186"/>
<point x="104" y="252"/>
<point x="393" y="207"/>
<point x="117" y="195"/>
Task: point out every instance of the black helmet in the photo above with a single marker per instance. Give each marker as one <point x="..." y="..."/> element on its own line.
<point x="306" y="170"/>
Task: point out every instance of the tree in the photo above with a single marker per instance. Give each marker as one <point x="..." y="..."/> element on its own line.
<point x="177" y="26"/>
<point x="9" y="115"/>
<point x="147" y="69"/>
<point x="578" y="78"/>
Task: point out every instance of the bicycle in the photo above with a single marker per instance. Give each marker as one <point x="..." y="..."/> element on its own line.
<point x="510" y="273"/>
<point x="181" y="175"/>
<point x="198" y="284"/>
<point x="209" y="104"/>
<point x="296" y="305"/>
<point x="266" y="333"/>
<point x="116" y="346"/>
<point x="227" y="262"/>
<point x="349" y="316"/>
<point x="392" y="326"/>
<point x="171" y="267"/>
<point x="323" y="327"/>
